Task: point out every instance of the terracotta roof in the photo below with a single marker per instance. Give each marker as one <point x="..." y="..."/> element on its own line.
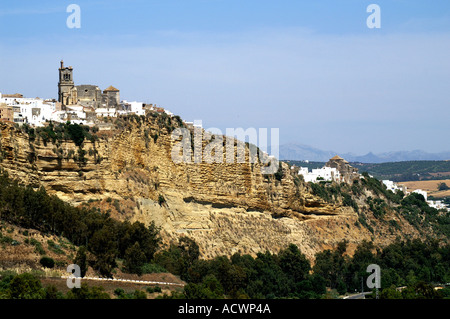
<point x="111" y="89"/>
<point x="337" y="157"/>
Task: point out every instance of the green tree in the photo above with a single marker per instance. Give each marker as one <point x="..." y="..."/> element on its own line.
<point x="357" y="266"/>
<point x="47" y="262"/>
<point x="76" y="133"/>
<point x="390" y="293"/>
<point x="81" y="260"/>
<point x="51" y="292"/>
<point x="86" y="292"/>
<point x="426" y="291"/>
<point x="318" y="285"/>
<point x="139" y="294"/>
<point x="210" y="288"/>
<point x="189" y="253"/>
<point x="147" y="237"/>
<point x="104" y="238"/>
<point x="267" y="280"/>
<point x="179" y="258"/>
<point x="6" y="278"/>
<point x="231" y="277"/>
<point x="294" y="264"/>
<point x="161" y="200"/>
<point x="333" y="266"/>
<point x="26" y="286"/>
<point x="134" y="259"/>
<point x="103" y="244"/>
<point x="169" y="259"/>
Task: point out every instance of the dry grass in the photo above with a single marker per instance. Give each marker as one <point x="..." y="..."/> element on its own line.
<point x="24" y="256"/>
<point x="431" y="187"/>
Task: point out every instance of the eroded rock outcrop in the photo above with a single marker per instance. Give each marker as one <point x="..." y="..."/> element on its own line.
<point x="225" y="207"/>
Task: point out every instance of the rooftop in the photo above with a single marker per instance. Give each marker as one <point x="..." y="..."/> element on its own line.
<point x="111" y="89"/>
<point x="336" y="158"/>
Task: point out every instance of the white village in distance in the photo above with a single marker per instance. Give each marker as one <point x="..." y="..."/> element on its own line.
<point x="339" y="170"/>
<point x="85" y="104"/>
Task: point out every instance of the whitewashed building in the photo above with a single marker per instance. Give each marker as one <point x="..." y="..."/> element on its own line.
<point x="34" y="111"/>
<point x="437" y="204"/>
<point x="325" y="173"/>
<point x="106" y="112"/>
<point x="394" y="187"/>
<point x="137" y="108"/>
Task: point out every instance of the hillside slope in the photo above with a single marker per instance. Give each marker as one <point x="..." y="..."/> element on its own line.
<point x="225" y="208"/>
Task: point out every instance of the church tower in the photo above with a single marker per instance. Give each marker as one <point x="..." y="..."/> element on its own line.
<point x="66" y="92"/>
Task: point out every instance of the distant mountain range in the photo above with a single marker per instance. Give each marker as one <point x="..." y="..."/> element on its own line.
<point x="298" y="152"/>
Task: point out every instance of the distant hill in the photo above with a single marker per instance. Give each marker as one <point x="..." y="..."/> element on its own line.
<point x="309" y="164"/>
<point x="298" y="152"/>
<point x="400" y="156"/>
<point x="407" y="170"/>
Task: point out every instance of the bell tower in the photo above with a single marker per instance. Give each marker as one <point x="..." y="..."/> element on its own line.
<point x="66" y="85"/>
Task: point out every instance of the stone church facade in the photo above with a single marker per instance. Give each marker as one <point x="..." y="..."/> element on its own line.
<point x="85" y="95"/>
<point x="347" y="172"/>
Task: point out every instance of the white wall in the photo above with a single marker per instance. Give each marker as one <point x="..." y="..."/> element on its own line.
<point x="136" y="107"/>
<point x="326" y="173"/>
<point x="27" y="104"/>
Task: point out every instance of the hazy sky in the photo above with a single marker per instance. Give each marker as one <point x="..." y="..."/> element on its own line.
<point x="313" y="69"/>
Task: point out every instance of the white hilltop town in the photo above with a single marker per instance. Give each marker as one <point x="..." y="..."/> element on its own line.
<point x="339" y="170"/>
<point x="81" y="104"/>
<point x="87" y="104"/>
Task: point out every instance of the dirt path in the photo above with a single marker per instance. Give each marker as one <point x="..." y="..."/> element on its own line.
<point x="110" y="285"/>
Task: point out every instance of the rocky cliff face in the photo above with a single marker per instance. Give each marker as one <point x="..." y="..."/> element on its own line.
<point x="224" y="207"/>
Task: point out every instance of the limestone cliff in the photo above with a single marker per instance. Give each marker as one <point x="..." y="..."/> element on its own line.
<point x="224" y="207"/>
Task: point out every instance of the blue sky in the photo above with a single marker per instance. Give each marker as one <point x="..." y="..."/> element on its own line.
<point x="310" y="68"/>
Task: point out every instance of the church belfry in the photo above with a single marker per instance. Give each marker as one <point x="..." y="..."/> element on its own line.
<point x="66" y="85"/>
<point x="85" y="95"/>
